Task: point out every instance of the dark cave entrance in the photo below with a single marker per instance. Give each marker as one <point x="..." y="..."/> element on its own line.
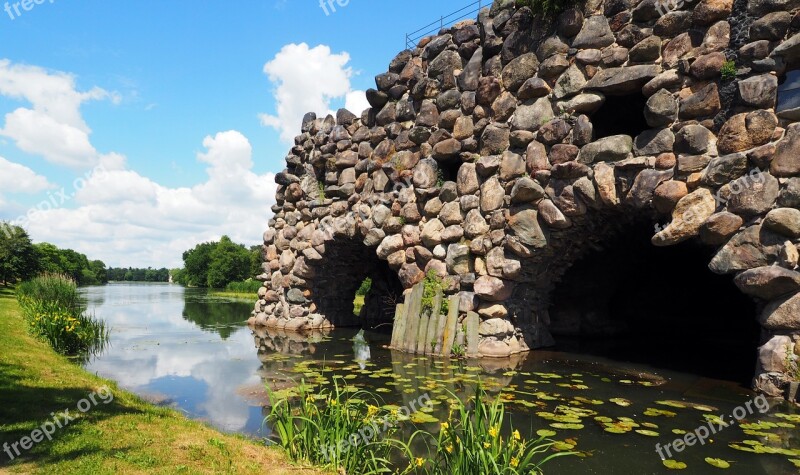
<point x="346" y="265"/>
<point x="620" y="115"/>
<point x="661" y="306"/>
<point x="448" y="169"/>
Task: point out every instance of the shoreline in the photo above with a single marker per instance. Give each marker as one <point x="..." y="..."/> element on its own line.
<point x="125" y="435"/>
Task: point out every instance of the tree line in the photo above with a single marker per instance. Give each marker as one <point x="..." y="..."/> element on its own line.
<point x="132" y="274"/>
<point x="21" y="259"/>
<point x="217" y="264"/>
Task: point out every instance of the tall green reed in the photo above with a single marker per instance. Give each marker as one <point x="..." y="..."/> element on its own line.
<point x="53" y="311"/>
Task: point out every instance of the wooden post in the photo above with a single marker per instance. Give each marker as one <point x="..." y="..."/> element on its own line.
<point x="399" y="326"/>
<point x="449" y="330"/>
<point x="472" y="321"/>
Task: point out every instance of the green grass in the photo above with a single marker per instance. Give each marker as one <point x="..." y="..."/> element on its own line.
<point x="247" y="289"/>
<point x="126" y="436"/>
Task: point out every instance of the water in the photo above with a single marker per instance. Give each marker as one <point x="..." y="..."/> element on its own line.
<point x="182" y="348"/>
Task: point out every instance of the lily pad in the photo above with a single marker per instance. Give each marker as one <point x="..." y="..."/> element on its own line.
<point x="545" y="433"/>
<point x="719" y="463"/>
<point x="674" y="465"/>
<point x="648" y="433"/>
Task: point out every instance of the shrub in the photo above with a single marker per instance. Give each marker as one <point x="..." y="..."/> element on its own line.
<point x="547" y="7"/>
<point x="728" y="70"/>
<point x="53" y="311"/>
<point x="248" y="286"/>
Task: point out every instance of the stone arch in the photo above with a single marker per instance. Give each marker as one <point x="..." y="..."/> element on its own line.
<point x="510" y="100"/>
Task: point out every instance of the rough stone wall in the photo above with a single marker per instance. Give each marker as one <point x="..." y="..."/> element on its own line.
<point x="479" y="160"/>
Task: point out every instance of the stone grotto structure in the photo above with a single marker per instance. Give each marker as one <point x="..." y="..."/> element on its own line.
<point x="501" y="151"/>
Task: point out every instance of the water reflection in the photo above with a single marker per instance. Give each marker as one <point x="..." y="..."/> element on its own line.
<point x="180" y="347"/>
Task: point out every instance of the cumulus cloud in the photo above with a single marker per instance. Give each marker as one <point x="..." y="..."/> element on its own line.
<point x="307" y="80"/>
<point x="16" y="178"/>
<point x="124" y="218"/>
<point x="112" y="212"/>
<point x="52" y="127"/>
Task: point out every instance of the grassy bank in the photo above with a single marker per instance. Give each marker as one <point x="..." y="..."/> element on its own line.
<point x="127" y="435"/>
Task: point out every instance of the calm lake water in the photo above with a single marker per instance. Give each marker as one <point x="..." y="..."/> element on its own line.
<point x="182" y="348"/>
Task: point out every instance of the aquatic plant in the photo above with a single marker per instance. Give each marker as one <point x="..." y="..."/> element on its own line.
<point x="53" y="311"/>
<point x="328" y="428"/>
<point x="470" y="441"/>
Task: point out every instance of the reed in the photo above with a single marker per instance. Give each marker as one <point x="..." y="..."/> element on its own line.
<point x="53" y="311"/>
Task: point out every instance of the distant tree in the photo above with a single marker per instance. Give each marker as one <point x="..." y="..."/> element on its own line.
<point x="197" y="262"/>
<point x="229" y="262"/>
<point x="256" y="258"/>
<point x="17" y="255"/>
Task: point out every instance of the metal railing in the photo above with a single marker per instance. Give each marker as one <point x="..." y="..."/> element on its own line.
<point x="469" y="11"/>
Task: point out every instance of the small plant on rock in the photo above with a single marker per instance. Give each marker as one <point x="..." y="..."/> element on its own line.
<point x="321" y="191"/>
<point x="728" y="70"/>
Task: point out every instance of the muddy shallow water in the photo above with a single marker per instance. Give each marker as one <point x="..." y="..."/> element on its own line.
<point x="179" y="347"/>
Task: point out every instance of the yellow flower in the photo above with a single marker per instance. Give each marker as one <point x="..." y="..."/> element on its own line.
<point x="514" y="462"/>
<point x="333" y="402"/>
<point x="493" y="432"/>
<point x="449" y="449"/>
<point x="445" y="425"/>
<point x="486" y="445"/>
<point x="372" y="410"/>
<point x="310" y="399"/>
<point x="515" y="434"/>
<point x="419" y="461"/>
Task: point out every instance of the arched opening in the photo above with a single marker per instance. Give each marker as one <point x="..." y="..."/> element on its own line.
<point x="661" y="306"/>
<point x="620" y="115"/>
<point x="347" y="263"/>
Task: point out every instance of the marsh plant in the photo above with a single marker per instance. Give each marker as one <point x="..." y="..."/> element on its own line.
<point x="324" y="428"/>
<point x="470" y="441"/>
<point x="54" y="312"/>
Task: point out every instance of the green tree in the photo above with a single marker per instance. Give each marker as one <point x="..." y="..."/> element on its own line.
<point x="256" y="258"/>
<point x="17" y="254"/>
<point x="229" y="262"/>
<point x="197" y="262"/>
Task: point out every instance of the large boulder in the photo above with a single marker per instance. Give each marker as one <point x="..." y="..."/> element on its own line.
<point x="751" y="248"/>
<point x="782" y="315"/>
<point x="493" y="289"/>
<point x="595" y="33"/>
<point x="607" y="149"/>
<point x="623" y="80"/>
<point x="768" y="282"/>
<point x="687" y="217"/>
<point x="524" y="222"/>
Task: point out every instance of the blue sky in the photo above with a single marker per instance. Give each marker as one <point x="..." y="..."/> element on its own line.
<point x="183" y="105"/>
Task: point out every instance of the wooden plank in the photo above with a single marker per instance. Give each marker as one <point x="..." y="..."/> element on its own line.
<point x="424" y="323"/>
<point x="399" y="326"/>
<point x="412" y="319"/>
<point x="433" y="325"/>
<point x="473" y="321"/>
<point x="449" y="330"/>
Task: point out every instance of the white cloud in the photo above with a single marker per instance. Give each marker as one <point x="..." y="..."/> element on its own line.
<point x="307" y="80"/>
<point x="114" y="213"/>
<point x="356" y="102"/>
<point x="16" y="178"/>
<point x="53" y="127"/>
<point x="124" y="218"/>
